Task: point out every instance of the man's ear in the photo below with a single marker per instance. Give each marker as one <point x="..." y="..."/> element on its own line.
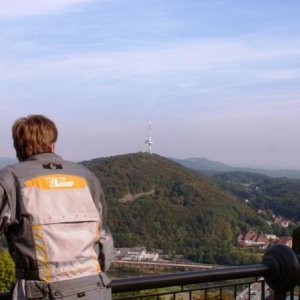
<point x="52" y="148"/>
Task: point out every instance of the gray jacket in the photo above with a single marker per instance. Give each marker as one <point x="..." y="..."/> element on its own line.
<point x="53" y="214"/>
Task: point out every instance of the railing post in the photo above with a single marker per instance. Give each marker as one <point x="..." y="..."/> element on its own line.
<point x="284" y="270"/>
<point x="296" y="240"/>
<point x="279" y="295"/>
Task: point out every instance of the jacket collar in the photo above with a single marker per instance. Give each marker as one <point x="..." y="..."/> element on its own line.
<point x="45" y="156"/>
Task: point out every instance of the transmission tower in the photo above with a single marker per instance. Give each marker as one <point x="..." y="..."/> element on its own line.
<point x="149" y="141"/>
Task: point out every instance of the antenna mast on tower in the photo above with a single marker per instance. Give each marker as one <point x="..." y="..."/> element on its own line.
<point x="150" y="142"/>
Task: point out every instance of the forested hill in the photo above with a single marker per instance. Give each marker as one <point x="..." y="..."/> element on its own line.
<point x="157" y="203"/>
<point x="276" y="195"/>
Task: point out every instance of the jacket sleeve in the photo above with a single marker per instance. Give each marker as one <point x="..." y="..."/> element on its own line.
<point x="5" y="212"/>
<point x="106" y="244"/>
<point x="7" y="200"/>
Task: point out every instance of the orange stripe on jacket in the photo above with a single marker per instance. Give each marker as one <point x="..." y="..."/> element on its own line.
<point x="56" y="181"/>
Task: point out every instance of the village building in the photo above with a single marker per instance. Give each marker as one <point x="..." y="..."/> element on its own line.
<point x="262" y="241"/>
<point x="136" y="254"/>
<point x="252" y="239"/>
<point x="284" y="240"/>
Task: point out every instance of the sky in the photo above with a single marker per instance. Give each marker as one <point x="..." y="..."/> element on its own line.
<point x="218" y="79"/>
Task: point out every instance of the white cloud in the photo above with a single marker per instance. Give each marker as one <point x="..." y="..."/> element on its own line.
<point x="189" y="57"/>
<point x="34" y="7"/>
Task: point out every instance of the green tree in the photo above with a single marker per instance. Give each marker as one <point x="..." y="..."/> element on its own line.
<point x="7" y="271"/>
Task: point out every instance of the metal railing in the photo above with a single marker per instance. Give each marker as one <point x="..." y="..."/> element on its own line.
<point x="246" y="289"/>
<point x="279" y="269"/>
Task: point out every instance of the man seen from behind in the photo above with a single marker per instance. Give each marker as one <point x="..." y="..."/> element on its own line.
<point x="53" y="214"/>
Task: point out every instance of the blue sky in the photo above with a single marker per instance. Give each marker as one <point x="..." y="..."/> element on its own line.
<point x="218" y="78"/>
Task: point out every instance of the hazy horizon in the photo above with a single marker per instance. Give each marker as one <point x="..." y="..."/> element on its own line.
<point x="219" y="79"/>
<point x="12" y="160"/>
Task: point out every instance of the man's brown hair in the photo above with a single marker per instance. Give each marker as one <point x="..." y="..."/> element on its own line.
<point x="32" y="135"/>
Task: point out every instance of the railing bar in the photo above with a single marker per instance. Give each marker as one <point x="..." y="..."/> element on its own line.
<point x="149" y="282"/>
<point x="249" y="288"/>
<point x="235" y="291"/>
<point x="206" y="289"/>
<point x="279" y="295"/>
<point x="263" y="287"/>
<point x="292" y="294"/>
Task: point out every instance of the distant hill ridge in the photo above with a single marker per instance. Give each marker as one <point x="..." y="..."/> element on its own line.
<point x="185" y="213"/>
<point x="4" y="161"/>
<point x="211" y="167"/>
<point x="207" y="167"/>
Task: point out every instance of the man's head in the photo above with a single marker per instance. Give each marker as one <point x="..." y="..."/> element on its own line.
<point x="32" y="135"/>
